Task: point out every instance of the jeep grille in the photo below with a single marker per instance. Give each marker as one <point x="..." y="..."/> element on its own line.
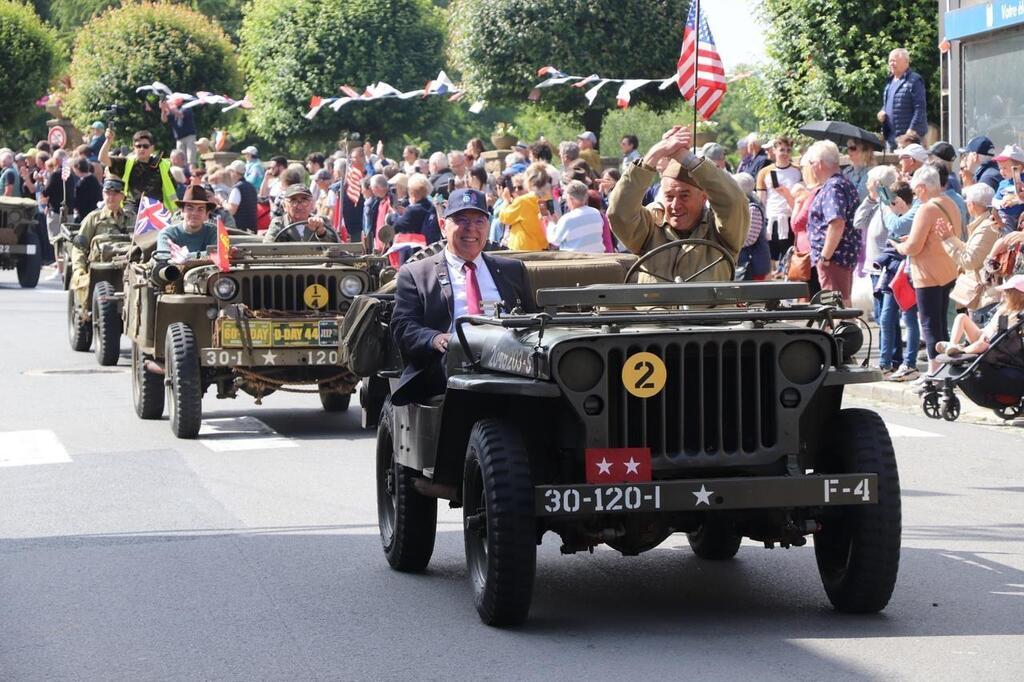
<point x="719" y="398"/>
<point x="261" y="291"/>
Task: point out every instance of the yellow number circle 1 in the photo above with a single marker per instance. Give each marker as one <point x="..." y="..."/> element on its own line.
<point x="316" y="296"/>
<point x="644" y="375"/>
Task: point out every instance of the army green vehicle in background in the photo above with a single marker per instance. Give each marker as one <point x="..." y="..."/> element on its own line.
<point x="19" y="244"/>
<point x="269" y="323"/>
<point x="621" y="414"/>
<point x="95" y="321"/>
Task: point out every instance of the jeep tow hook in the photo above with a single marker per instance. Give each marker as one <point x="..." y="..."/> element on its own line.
<point x="153" y="367"/>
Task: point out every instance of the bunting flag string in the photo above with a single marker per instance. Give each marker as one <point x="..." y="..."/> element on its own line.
<point x="184" y="100"/>
<point x="440" y="86"/>
<point x="596" y="82"/>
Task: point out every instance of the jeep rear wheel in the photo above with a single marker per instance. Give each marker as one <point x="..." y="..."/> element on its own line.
<point x="30" y="264"/>
<point x="147" y="387"/>
<point x="79" y="332"/>
<point x="184" y="382"/>
<point x="106" y="324"/>
<point x="498" y="522"/>
<point x="714" y="541"/>
<point x="858" y="547"/>
<point x="407" y="519"/>
<point x="334" y="402"/>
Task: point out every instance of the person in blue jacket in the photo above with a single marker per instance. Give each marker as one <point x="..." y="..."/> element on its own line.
<point x="903" y="100"/>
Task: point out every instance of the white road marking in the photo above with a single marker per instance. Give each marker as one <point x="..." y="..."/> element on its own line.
<point x="26" y="448"/>
<point x="897" y="431"/>
<point x="231" y="434"/>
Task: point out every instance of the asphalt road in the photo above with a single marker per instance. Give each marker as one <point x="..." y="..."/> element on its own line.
<point x="128" y="554"/>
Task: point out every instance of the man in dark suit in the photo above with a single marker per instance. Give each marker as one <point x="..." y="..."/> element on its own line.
<point x="432" y="293"/>
<point x="904" y="104"/>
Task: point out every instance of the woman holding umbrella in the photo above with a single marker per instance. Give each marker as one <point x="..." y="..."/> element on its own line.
<point x="861" y="160"/>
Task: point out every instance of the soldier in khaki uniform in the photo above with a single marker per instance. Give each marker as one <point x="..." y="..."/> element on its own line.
<point x="111" y="219"/>
<point x="688" y="185"/>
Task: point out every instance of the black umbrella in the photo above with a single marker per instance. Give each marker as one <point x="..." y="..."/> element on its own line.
<point x="840" y="132"/>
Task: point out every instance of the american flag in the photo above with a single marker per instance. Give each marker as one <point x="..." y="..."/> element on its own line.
<point x="152" y="216"/>
<point x="699" y="52"/>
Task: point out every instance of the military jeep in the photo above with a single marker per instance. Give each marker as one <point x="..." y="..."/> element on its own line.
<point x="19" y="244"/>
<point x="95" y="318"/>
<point x="621" y="414"/>
<point x="270" y="323"/>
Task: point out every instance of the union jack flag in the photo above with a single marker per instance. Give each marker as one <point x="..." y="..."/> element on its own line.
<point x="152" y="216"/>
<point x="700" y="54"/>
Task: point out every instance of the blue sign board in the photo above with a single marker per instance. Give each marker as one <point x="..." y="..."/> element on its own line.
<point x="991" y="16"/>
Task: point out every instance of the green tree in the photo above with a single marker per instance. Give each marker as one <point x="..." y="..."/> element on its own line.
<point x="296" y="50"/>
<point x="141" y="43"/>
<point x="70" y="15"/>
<point x="827" y="58"/>
<point x="498" y="47"/>
<point x="28" y="52"/>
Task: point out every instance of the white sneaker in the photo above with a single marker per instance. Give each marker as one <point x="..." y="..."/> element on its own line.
<point x="904" y="373"/>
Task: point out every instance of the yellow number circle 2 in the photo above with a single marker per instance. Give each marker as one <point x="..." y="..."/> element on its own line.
<point x="644" y="374"/>
<point x="316" y="296"/>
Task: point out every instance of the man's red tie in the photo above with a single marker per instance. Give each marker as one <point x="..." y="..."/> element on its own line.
<point x="472" y="289"/>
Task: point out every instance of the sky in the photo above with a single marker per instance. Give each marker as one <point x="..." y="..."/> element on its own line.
<point x="739" y="37"/>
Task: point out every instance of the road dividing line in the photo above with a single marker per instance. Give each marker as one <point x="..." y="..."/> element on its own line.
<point x="897" y="431"/>
<point x="231" y="434"/>
<point x="26" y="448"/>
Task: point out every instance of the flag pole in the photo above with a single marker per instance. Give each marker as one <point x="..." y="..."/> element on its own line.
<point x="696" y="64"/>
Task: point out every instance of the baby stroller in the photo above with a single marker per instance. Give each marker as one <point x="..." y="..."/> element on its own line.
<point x="993" y="379"/>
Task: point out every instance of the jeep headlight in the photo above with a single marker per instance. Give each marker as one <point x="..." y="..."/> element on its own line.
<point x="225" y="288"/>
<point x="581" y="369"/>
<point x="801" y="362"/>
<point x="351" y="286"/>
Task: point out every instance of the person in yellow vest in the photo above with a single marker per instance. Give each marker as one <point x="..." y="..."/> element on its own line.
<point x="144" y="172"/>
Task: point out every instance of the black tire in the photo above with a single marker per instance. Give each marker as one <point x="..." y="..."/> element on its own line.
<point x="371" y="401"/>
<point x="858" y="547"/>
<point x="951" y="408"/>
<point x="1009" y="412"/>
<point x="335" y="402"/>
<point x="407" y="520"/>
<point x="29" y="265"/>
<point x="498" y="522"/>
<point x="147" y="388"/>
<point x="714" y="541"/>
<point x="79" y="331"/>
<point x="106" y="324"/>
<point x="930" y="405"/>
<point x="184" y="382"/>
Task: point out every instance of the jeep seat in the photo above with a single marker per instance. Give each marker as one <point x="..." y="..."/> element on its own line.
<point x="545" y="273"/>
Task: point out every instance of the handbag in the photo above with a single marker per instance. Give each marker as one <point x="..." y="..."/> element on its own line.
<point x="902" y="288"/>
<point x="1008" y="262"/>
<point x="799" y="269"/>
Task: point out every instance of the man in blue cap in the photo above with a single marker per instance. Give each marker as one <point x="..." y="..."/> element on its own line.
<point x="434" y="292"/>
<point x="978" y="161"/>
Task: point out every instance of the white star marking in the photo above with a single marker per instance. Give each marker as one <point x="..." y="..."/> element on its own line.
<point x="605" y="466"/>
<point x="703" y="496"/>
<point x="269" y="357"/>
<point x="632" y="466"/>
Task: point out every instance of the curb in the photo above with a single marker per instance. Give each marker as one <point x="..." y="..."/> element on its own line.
<point x="902" y="396"/>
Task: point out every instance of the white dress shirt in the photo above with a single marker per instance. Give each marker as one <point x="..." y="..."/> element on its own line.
<point x="484" y="279"/>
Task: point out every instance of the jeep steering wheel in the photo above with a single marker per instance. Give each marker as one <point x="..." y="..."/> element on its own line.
<point x="726" y="257"/>
<point x="292" y="230"/>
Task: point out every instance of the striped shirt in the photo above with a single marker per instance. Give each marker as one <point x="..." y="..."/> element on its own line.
<point x="581" y="229"/>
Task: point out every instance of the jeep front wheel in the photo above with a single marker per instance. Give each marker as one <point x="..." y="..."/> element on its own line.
<point x="106" y="324"/>
<point x="79" y="331"/>
<point x="498" y="522"/>
<point x="714" y="541"/>
<point x="30" y="264"/>
<point x="333" y="401"/>
<point x="407" y="519"/>
<point x="184" y="381"/>
<point x="858" y="547"/>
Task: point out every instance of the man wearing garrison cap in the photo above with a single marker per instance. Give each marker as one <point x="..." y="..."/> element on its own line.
<point x="681" y="211"/>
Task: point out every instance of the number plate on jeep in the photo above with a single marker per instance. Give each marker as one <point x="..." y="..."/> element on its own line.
<point x="265" y="333"/>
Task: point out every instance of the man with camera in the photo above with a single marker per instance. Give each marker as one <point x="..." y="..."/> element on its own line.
<point x="144" y="172"/>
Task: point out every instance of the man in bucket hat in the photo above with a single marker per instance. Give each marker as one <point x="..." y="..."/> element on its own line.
<point x="195" y="232"/>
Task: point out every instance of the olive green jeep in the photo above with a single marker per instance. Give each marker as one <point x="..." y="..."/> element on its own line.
<point x="623" y="413"/>
<point x="19" y="245"/>
<point x="269" y="323"/>
<point x="94" y="297"/>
